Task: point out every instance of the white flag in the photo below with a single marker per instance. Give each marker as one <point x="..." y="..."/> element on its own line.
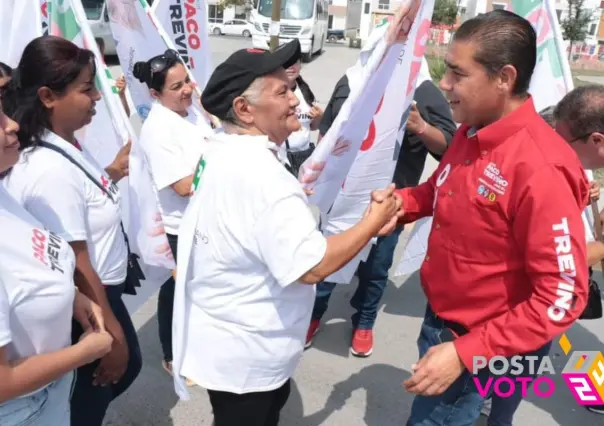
<point x="185" y="22"/>
<point x="20" y="22"/>
<point x="551" y="80"/>
<point x="374" y="165"/>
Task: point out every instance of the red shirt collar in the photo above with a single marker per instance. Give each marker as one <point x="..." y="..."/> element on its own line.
<point x="495" y="133"/>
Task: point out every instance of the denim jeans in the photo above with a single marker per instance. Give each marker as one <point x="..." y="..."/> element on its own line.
<point x="460" y="405"/>
<point x="373" y="277"/>
<point x="47" y="407"/>
<point x="165" y="307"/>
<point x="89" y="403"/>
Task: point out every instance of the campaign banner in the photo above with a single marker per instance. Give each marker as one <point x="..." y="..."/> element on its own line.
<point x="325" y="171"/>
<point x="109" y="130"/>
<point x="185" y="23"/>
<point x="552" y="80"/>
<point x="376" y="160"/>
<point x="20" y="22"/>
<point x="44" y="16"/>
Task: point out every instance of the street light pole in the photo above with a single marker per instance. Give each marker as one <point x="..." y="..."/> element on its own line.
<point x="275" y="26"/>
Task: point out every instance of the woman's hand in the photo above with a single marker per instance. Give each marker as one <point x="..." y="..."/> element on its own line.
<point x="594" y="190"/>
<point x="88" y="313"/>
<point x="120" y="168"/>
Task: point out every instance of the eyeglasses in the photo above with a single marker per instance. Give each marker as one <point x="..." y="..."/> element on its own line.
<point x="161" y="62"/>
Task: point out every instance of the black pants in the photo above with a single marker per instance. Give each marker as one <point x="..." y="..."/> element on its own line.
<point x="249" y="409"/>
<point x="165" y="306"/>
<point x="89" y="403"/>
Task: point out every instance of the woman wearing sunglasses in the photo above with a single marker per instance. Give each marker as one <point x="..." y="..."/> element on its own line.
<point x="63" y="187"/>
<point x="37" y="302"/>
<point x="172" y="139"/>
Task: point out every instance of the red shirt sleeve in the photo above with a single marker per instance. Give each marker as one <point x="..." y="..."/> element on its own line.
<point x="418" y="201"/>
<point x="547" y="224"/>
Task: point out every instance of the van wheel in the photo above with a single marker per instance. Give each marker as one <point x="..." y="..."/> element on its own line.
<point x="247" y="34"/>
<point x="217" y="31"/>
<point x="332" y="39"/>
<point x="307" y="57"/>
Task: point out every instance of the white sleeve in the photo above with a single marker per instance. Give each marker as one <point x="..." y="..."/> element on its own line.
<point x="288" y="239"/>
<point x="5" y="334"/>
<point x="58" y="200"/>
<point x="167" y="160"/>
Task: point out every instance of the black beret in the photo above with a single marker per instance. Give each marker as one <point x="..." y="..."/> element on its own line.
<point x="231" y="78"/>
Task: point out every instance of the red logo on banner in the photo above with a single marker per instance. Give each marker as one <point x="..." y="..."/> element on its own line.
<point x="370" y="139"/>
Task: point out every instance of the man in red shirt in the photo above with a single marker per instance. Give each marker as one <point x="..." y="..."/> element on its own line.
<point x="506" y="201"/>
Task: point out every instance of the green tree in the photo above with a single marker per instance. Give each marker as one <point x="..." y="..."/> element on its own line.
<point x="445" y="12"/>
<point x="575" y="25"/>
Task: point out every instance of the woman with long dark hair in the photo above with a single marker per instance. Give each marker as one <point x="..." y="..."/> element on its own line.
<point x="5" y="74"/>
<point x="62" y="186"/>
<point x="172" y="139"/>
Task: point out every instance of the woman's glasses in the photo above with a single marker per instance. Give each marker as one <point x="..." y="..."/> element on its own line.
<point x="161" y="62"/>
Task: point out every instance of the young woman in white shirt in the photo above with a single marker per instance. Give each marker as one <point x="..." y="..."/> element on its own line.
<point x="37" y="302"/>
<point x="172" y="139"/>
<point x="63" y="187"/>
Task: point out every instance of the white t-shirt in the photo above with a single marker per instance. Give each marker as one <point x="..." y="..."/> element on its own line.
<point x="246" y="314"/>
<point x="300" y="140"/>
<point x="36" y="284"/>
<point x="172" y="147"/>
<point x="66" y="201"/>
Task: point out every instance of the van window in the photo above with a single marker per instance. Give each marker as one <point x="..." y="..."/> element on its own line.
<point x="93" y="9"/>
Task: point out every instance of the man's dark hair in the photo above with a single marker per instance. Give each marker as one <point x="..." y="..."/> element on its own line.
<point x="548" y="115"/>
<point x="503" y="38"/>
<point x="582" y="110"/>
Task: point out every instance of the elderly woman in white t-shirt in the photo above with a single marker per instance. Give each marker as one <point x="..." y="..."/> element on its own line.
<point x="172" y="139"/>
<point x="59" y="183"/>
<point x="249" y="248"/>
<point x="37" y="302"/>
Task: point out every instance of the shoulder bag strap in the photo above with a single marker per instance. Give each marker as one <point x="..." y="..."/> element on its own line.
<point x="89" y="176"/>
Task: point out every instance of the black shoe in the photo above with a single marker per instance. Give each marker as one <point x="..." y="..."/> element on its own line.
<point x="598" y="409"/>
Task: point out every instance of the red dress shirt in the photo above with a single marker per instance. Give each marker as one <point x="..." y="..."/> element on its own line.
<point x="506" y="254"/>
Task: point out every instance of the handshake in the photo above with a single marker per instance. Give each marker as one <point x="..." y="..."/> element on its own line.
<point x="384" y="211"/>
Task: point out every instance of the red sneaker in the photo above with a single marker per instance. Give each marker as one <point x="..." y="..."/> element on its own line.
<point x="313" y="328"/>
<point x="362" y="343"/>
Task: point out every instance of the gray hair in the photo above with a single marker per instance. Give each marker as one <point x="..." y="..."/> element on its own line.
<point x="252" y="94"/>
<point x="582" y="110"/>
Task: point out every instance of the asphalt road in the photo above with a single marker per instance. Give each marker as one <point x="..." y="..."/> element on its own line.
<point x="331" y="387"/>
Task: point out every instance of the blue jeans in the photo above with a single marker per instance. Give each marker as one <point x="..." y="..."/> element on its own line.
<point x="47" y="407"/>
<point x="460" y="405"/>
<point x="373" y="277"/>
<point x="89" y="403"/>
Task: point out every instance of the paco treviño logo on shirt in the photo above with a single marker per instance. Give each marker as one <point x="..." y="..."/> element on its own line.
<point x="197" y="177"/>
<point x="47" y="247"/>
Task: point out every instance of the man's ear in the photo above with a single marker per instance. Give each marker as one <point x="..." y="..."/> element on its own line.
<point x="242" y="110"/>
<point x="597" y="138"/>
<point x="507" y="78"/>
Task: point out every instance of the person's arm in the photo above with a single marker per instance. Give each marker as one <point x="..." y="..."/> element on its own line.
<point x="22" y="376"/>
<point x="120" y="166"/>
<point x="166" y="160"/>
<point x="595" y="252"/>
<point x="418" y="201"/>
<point x="548" y="228"/>
<point x="301" y="253"/>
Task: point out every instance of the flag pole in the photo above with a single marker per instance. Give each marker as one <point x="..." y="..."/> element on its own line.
<point x="275" y="25"/>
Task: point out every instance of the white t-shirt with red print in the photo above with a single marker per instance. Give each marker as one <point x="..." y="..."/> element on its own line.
<point x="36" y="284"/>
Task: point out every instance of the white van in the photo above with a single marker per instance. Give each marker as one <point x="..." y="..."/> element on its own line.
<point x="98" y="18"/>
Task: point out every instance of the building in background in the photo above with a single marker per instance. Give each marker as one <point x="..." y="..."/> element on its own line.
<point x="344" y="15"/>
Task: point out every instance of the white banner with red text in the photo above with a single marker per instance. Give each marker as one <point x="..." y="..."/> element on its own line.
<point x="20" y="22"/>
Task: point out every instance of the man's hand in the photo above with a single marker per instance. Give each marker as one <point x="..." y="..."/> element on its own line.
<point x="594" y="190"/>
<point x="400" y="25"/>
<point x="316" y="112"/>
<point x="381" y="195"/>
<point x="416" y="124"/>
<point x="436" y="371"/>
